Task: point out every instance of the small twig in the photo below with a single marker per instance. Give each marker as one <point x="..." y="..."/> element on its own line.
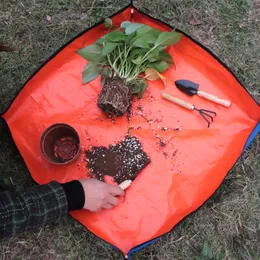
<point x="225" y="214"/>
<point x="92" y="6"/>
<point x="175" y="241"/>
<point x="5" y="48"/>
<point x="65" y="36"/>
<point x="250" y="229"/>
<point x="12" y="183"/>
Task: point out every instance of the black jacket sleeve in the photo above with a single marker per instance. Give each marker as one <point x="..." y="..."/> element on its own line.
<point x="37" y="206"/>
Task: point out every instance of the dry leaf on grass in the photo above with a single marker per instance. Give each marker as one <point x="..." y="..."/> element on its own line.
<point x="48" y="18"/>
<point x="195" y="21"/>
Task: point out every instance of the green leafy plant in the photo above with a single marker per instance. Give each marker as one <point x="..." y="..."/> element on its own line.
<point x="127" y="52"/>
<point x="126" y="58"/>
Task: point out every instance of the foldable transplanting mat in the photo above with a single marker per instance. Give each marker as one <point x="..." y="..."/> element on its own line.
<point x="188" y="160"/>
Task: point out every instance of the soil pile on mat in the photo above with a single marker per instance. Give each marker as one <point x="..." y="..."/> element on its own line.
<point x="122" y="161"/>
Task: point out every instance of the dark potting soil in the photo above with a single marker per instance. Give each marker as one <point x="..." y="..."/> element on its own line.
<point x="170" y="129"/>
<point x="65" y="148"/>
<point x="122" y="161"/>
<point x="115" y="97"/>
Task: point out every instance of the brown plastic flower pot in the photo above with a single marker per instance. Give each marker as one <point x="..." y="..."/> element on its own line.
<point x="60" y="144"/>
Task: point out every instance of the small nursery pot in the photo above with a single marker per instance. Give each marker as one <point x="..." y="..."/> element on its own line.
<point x="60" y="144"/>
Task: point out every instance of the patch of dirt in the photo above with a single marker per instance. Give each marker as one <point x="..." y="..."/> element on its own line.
<point x="123" y="160"/>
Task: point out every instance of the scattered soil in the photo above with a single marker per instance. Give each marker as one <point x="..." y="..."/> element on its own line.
<point x="133" y="128"/>
<point x="115" y="97"/>
<point x="139" y="108"/>
<point x="157" y="120"/>
<point x="65" y="148"/>
<point x="174" y="153"/>
<point x="129" y="113"/>
<point x="170" y="129"/>
<point x="123" y="161"/>
<point x="162" y="143"/>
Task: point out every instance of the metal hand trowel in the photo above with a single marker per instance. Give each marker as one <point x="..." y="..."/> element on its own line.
<point x="191" y="88"/>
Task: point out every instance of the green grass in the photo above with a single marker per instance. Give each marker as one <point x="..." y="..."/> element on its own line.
<point x="230" y="221"/>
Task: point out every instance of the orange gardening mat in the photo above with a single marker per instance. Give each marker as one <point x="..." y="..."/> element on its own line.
<point x="182" y="175"/>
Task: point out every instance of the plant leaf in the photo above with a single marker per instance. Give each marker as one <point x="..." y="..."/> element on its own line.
<point x="138" y="60"/>
<point x="152" y="74"/>
<point x="165" y="56"/>
<point x="141" y="43"/>
<point x="103" y="80"/>
<point x="140" y="86"/>
<point x="153" y="55"/>
<point x="6" y="181"/>
<point x="136" y="89"/>
<point x="220" y="255"/>
<point x="162" y="47"/>
<point x="197" y="258"/>
<point x="125" y="24"/>
<point x="160" y="66"/>
<point x="168" y="38"/>
<point x="100" y="41"/>
<point x="115" y="36"/>
<point x="90" y="72"/>
<point x="133" y="27"/>
<point x="143" y="86"/>
<point x="207" y="251"/>
<point x="135" y="52"/>
<point x="143" y="30"/>
<point x="108" y="48"/>
<point x="105" y="73"/>
<point x="155" y="32"/>
<point x="130" y="37"/>
<point x="108" y="23"/>
<point x="149" y="38"/>
<point x="91" y="52"/>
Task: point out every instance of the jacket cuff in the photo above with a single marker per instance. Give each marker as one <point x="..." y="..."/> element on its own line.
<point x="75" y="195"/>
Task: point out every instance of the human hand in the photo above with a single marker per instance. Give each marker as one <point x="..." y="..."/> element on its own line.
<point x="100" y="195"/>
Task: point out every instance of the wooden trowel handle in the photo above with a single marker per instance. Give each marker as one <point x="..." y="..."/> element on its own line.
<point x="220" y="101"/>
<point x="125" y="184"/>
<point x="178" y="101"/>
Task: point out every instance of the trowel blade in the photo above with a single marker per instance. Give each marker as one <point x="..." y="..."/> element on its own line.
<point x="188" y="87"/>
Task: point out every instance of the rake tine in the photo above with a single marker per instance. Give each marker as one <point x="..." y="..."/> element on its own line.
<point x="205" y="118"/>
<point x="208" y="115"/>
<point x="209" y="111"/>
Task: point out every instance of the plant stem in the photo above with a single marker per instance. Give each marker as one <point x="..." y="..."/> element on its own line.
<point x="145" y="56"/>
<point x="125" y="63"/>
<point x="111" y="64"/>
